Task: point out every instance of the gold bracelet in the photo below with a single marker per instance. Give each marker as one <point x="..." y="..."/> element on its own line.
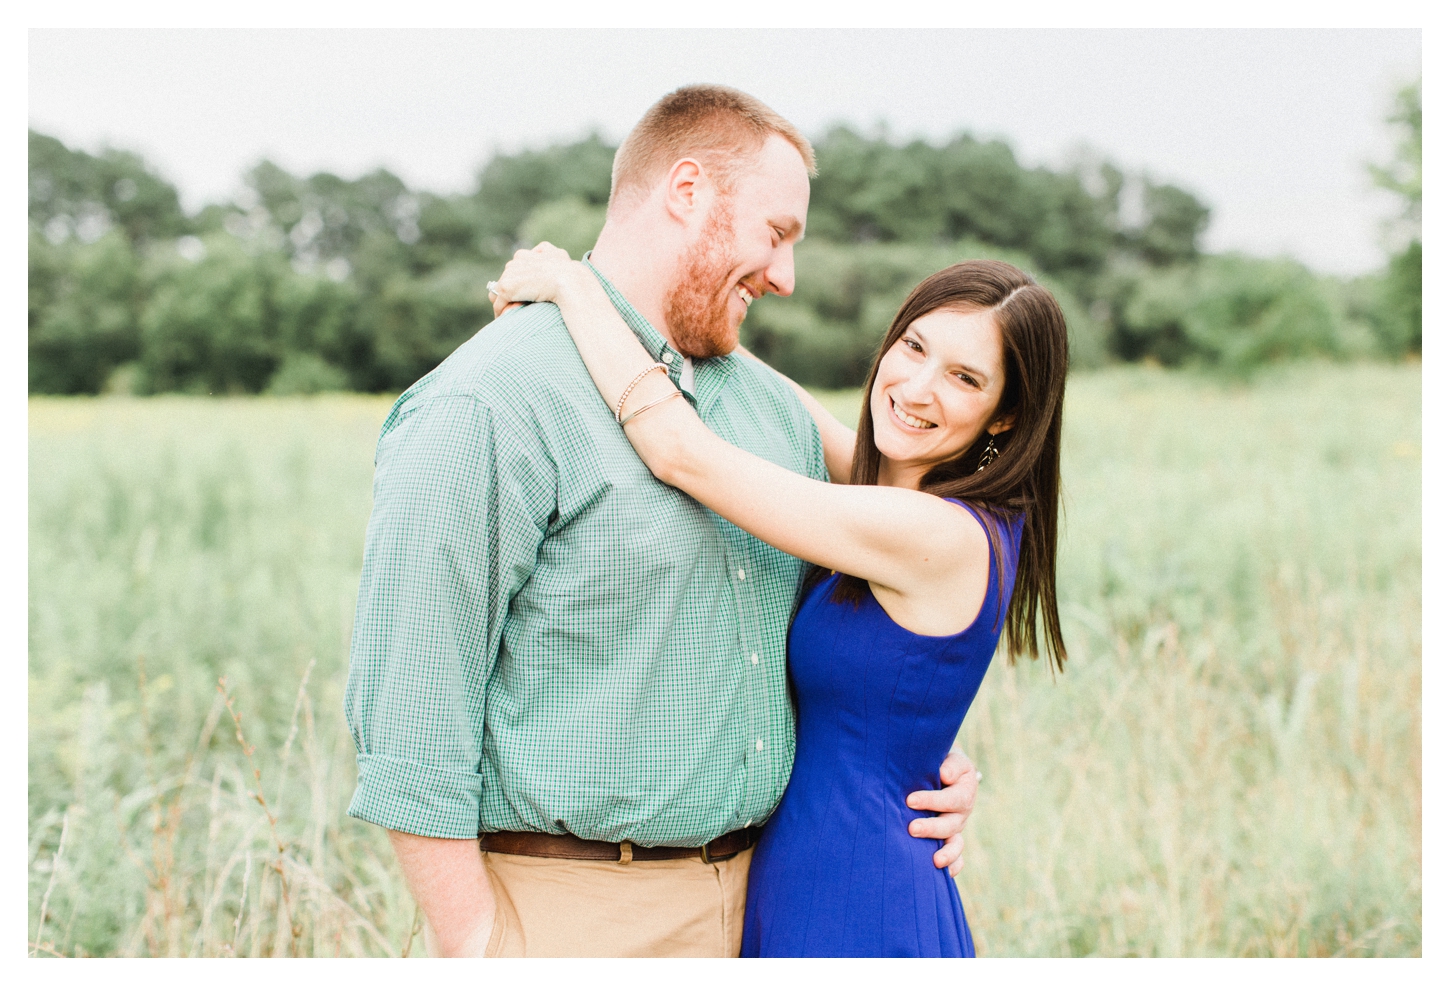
<point x="619" y="405"/>
<point x="640" y="410"/>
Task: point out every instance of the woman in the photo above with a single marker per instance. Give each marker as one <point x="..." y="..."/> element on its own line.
<point x="939" y="532"/>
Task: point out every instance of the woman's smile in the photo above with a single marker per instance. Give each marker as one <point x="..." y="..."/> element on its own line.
<point x="910" y="420"/>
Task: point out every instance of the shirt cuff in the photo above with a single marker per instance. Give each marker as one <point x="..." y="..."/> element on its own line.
<point x="414" y="798"/>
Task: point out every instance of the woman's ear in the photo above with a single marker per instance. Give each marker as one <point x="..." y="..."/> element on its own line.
<point x="1002" y="424"/>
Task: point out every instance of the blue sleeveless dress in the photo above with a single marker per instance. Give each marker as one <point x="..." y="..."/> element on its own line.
<point x="836" y="872"/>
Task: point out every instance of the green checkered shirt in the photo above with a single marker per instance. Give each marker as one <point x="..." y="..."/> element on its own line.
<point x="548" y="638"/>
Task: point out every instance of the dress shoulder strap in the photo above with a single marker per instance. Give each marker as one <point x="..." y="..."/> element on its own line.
<point x="976" y="514"/>
<point x="1003" y="545"/>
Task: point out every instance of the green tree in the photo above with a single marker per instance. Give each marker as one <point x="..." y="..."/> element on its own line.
<point x="570" y="223"/>
<point x="1175" y="220"/>
<point x="84" y="313"/>
<point x="322" y="338"/>
<point x="511" y="186"/>
<point x="323" y="218"/>
<point x="872" y="190"/>
<point x="210" y="325"/>
<point x="448" y="229"/>
<point x="1228" y="311"/>
<point x="75" y="194"/>
<point x="1404" y="175"/>
<point x="310" y="283"/>
<point x="423" y="319"/>
<point x="1401" y="293"/>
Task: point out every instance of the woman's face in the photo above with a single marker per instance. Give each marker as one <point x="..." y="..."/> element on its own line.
<point x="936" y="389"/>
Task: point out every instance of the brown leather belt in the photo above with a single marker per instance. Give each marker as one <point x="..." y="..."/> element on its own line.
<point x="571" y="847"/>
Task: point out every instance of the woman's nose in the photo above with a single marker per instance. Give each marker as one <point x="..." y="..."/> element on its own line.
<point x="917" y="387"/>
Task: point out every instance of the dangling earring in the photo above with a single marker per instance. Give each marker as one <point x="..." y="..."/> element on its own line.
<point x="989" y="454"/>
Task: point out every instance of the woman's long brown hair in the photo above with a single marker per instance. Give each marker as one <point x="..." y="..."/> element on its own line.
<point x="1024" y="479"/>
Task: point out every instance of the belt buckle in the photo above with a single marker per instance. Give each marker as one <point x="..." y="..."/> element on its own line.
<point x="706" y="857"/>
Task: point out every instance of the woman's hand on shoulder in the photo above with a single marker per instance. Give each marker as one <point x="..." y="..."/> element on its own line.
<point x="540" y="274"/>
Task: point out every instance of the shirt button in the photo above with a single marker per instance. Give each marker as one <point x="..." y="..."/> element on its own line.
<point x="740" y="573"/>
<point x="667" y="357"/>
<point x="754" y="658"/>
<point x="759" y="745"/>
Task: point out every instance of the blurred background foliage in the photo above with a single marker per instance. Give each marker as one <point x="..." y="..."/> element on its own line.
<point x="300" y="285"/>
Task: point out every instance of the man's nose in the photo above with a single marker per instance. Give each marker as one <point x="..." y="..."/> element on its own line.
<point x="780" y="275"/>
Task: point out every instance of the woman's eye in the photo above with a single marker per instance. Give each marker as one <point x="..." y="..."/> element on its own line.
<point x="966" y="380"/>
<point x="912" y="344"/>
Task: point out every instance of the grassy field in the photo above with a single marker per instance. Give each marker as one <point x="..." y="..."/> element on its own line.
<point x="1230" y="765"/>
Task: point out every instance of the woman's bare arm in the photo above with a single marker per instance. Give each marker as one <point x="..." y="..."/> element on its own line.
<point x="838" y="442"/>
<point x="906" y="542"/>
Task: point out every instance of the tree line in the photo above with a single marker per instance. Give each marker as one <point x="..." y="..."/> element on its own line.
<point x="302" y="284"/>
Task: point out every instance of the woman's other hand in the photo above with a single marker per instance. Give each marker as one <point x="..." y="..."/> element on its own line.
<point x="533" y="275"/>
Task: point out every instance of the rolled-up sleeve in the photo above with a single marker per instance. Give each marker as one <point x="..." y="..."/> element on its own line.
<point x="461" y="502"/>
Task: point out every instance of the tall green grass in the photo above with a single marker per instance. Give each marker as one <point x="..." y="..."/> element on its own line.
<point x="1229" y="766"/>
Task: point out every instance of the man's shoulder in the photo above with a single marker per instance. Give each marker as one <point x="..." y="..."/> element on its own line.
<point x="509" y="363"/>
<point x="517" y="351"/>
<point x="757" y="382"/>
<point x="767" y="404"/>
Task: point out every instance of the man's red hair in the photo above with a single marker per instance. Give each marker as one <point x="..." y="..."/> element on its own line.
<point x="720" y="127"/>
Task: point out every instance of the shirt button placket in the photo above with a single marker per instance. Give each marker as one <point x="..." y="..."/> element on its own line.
<point x="749" y="644"/>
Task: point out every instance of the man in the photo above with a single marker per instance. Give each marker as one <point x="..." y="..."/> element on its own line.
<point x="556" y="650"/>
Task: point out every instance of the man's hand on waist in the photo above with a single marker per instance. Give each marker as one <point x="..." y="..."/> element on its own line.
<point x="953" y="803"/>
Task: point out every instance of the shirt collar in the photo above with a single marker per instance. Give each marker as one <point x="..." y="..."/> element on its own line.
<point x="648" y="336"/>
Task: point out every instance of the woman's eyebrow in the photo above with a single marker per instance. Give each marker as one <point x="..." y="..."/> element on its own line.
<point x="967" y="368"/>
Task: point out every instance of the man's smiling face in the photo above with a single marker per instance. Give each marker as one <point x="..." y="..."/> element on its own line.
<point x="745" y="249"/>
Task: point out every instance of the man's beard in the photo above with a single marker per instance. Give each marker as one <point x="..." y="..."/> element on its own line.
<point x="697" y="308"/>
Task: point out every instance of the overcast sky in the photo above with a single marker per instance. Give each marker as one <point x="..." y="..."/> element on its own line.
<point x="1271" y="128"/>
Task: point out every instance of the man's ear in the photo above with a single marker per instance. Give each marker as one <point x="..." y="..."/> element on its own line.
<point x="685" y="189"/>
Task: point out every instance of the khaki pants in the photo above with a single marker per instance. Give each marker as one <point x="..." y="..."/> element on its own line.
<point x="588" y="908"/>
